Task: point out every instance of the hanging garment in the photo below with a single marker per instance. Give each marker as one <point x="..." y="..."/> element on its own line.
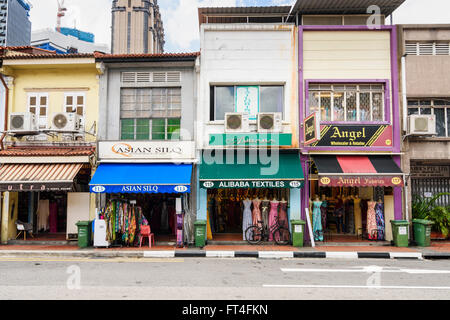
<point x="208" y="227"/>
<point x="265" y="208"/>
<point x="256" y="214"/>
<point x="371" y="220"/>
<point x="282" y="215"/>
<point x="358" y="217"/>
<point x="43" y="215"/>
<point x="351" y="216"/>
<point x="53" y="218"/>
<point x="317" y="221"/>
<point x="133" y="225"/>
<point x="323" y="212"/>
<point x="247" y="217"/>
<point x="379" y="211"/>
<point x="273" y="215"/>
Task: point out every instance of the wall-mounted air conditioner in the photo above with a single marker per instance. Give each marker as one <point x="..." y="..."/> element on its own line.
<point x="423" y="125"/>
<point x="66" y="122"/>
<point x="22" y="122"/>
<point x="237" y="122"/>
<point x="270" y="122"/>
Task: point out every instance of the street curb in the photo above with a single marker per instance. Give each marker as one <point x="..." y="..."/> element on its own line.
<point x="225" y="254"/>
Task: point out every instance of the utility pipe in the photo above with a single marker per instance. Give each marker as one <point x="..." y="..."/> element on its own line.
<point x="5" y="129"/>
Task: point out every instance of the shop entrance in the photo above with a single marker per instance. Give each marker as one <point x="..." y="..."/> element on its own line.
<point x="125" y="213"/>
<point x="350" y="214"/>
<point x="227" y="215"/>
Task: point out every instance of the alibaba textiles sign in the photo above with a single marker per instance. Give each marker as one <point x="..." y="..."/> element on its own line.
<point x="354" y="136"/>
<point x="144" y="150"/>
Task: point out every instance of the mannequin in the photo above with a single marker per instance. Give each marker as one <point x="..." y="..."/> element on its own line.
<point x="273" y="215"/>
<point x="372" y="227"/>
<point x="317" y="219"/>
<point x="282" y="215"/>
<point x="379" y="212"/>
<point x="323" y="211"/>
<point x="256" y="214"/>
<point x="247" y="216"/>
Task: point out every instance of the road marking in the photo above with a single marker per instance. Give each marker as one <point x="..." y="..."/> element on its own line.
<point x="220" y="254"/>
<point x="342" y="255"/>
<point x="110" y="260"/>
<point x="417" y="255"/>
<point x="369" y="269"/>
<point x="159" y="254"/>
<point x="275" y="254"/>
<point x="352" y="287"/>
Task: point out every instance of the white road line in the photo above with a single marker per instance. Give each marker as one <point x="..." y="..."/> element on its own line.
<point x="275" y="254"/>
<point x="220" y="254"/>
<point x="342" y="255"/>
<point x="417" y="255"/>
<point x="369" y="270"/>
<point x="352" y="287"/>
<point x="159" y="254"/>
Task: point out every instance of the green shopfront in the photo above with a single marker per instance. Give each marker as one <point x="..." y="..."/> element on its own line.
<point x="238" y="187"/>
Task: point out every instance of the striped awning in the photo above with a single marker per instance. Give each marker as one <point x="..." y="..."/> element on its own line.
<point x="38" y="177"/>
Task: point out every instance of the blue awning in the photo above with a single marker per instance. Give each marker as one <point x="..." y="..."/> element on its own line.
<point x="142" y="178"/>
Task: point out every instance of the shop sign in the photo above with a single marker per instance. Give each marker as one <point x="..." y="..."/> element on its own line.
<point x="247" y="100"/>
<point x="354" y="136"/>
<point x="132" y="150"/>
<point x="140" y="189"/>
<point x="251" y="139"/>
<point x="430" y="171"/>
<point x="361" y="181"/>
<point x="18" y="187"/>
<point x="311" y="127"/>
<point x="251" y="184"/>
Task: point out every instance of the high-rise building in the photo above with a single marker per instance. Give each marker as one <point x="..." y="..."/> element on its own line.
<point x="15" y="24"/>
<point x="137" y="27"/>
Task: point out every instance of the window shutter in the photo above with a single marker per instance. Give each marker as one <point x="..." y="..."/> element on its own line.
<point x="159" y="77"/>
<point x="143" y="77"/>
<point x="173" y="76"/>
<point x="442" y="49"/>
<point x="426" y="49"/>
<point x="128" y="77"/>
<point x="411" y="48"/>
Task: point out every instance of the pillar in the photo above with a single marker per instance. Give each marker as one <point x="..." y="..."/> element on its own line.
<point x="5" y="218"/>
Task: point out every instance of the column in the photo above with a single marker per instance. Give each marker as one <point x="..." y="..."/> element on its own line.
<point x="5" y="218"/>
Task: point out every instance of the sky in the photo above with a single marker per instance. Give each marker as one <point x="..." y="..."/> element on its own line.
<point x="181" y="21"/>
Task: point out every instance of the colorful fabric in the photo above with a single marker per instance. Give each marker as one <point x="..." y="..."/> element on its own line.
<point x="317" y="221"/>
<point x="256" y="214"/>
<point x="379" y="208"/>
<point x="273" y="214"/>
<point x="247" y="217"/>
<point x="371" y="220"/>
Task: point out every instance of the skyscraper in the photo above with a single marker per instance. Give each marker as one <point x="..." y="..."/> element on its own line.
<point x="15" y="24"/>
<point x="137" y="27"/>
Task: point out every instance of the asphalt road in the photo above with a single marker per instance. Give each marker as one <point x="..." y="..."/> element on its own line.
<point x="223" y="279"/>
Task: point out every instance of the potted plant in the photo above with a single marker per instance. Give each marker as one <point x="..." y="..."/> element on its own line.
<point x="426" y="209"/>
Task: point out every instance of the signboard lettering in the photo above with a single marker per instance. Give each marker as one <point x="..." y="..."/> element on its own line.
<point x="354" y="136"/>
<point x="167" y="150"/>
<point x="419" y="171"/>
<point x="251" y="139"/>
<point x="252" y="184"/>
<point x="311" y="128"/>
<point x="361" y="181"/>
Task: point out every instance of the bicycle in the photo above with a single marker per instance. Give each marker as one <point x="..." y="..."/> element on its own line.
<point x="255" y="234"/>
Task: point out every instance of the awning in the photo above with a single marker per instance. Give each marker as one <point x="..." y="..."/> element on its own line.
<point x="142" y="178"/>
<point x="251" y="171"/>
<point x="38" y="177"/>
<point x="358" y="171"/>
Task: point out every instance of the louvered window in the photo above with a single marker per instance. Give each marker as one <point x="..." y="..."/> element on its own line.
<point x="151" y="77"/>
<point x="428" y="48"/>
<point x="411" y="49"/>
<point x="442" y="49"/>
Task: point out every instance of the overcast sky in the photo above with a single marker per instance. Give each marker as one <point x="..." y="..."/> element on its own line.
<point x="181" y="21"/>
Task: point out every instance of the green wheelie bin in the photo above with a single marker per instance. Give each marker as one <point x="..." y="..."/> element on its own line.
<point x="84" y="233"/>
<point x="298" y="229"/>
<point x="400" y="231"/>
<point x="200" y="233"/>
<point x="422" y="232"/>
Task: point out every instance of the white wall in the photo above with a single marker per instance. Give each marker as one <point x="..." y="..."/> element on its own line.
<point x="247" y="54"/>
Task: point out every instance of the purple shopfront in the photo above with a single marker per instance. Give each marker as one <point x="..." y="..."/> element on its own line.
<point x="350" y="131"/>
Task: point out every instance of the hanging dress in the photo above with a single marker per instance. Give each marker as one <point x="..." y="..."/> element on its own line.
<point x="282" y="215"/>
<point x="351" y="217"/>
<point x="323" y="212"/>
<point x="265" y="208"/>
<point x="317" y="221"/>
<point x="256" y="214"/>
<point x="358" y="216"/>
<point x="247" y="217"/>
<point x="379" y="208"/>
<point x="371" y="220"/>
<point x="273" y="214"/>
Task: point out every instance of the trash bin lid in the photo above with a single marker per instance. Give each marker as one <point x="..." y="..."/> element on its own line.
<point x="200" y="222"/>
<point x="400" y="222"/>
<point x="423" y="221"/>
<point x="83" y="223"/>
<point x="294" y="222"/>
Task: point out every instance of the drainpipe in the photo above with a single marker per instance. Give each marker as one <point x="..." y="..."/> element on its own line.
<point x="405" y="100"/>
<point x="6" y="111"/>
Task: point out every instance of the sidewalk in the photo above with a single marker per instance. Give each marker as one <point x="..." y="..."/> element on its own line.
<point x="438" y="250"/>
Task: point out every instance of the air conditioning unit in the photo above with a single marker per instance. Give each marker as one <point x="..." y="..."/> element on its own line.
<point x="237" y="122"/>
<point x="22" y="122"/>
<point x="270" y="122"/>
<point x="66" y="122"/>
<point x="422" y="125"/>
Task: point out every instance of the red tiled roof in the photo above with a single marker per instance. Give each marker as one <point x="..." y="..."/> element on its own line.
<point x="147" y="55"/>
<point x="26" y="49"/>
<point x="49" y="56"/>
<point x="47" y="151"/>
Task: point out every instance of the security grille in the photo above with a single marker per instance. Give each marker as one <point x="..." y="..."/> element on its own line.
<point x="423" y="188"/>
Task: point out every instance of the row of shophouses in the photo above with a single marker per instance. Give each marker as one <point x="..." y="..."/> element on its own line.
<point x="276" y="105"/>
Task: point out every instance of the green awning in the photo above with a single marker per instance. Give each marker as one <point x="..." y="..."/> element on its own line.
<point x="251" y="171"/>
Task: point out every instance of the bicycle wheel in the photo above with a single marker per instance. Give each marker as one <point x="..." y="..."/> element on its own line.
<point x="253" y="235"/>
<point x="281" y="236"/>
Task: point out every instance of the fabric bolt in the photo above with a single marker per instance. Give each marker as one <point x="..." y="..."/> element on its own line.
<point x="273" y="215"/>
<point x="247" y="217"/>
<point x="371" y="220"/>
<point x="43" y="215"/>
<point x="256" y="214"/>
<point x="379" y="211"/>
<point x="317" y="221"/>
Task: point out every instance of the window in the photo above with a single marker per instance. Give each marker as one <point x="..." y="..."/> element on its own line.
<point x="427" y="48"/>
<point x="438" y="107"/>
<point x="347" y="103"/>
<point x="150" y="113"/>
<point x="75" y="103"/>
<point x="38" y="105"/>
<point x="251" y="99"/>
